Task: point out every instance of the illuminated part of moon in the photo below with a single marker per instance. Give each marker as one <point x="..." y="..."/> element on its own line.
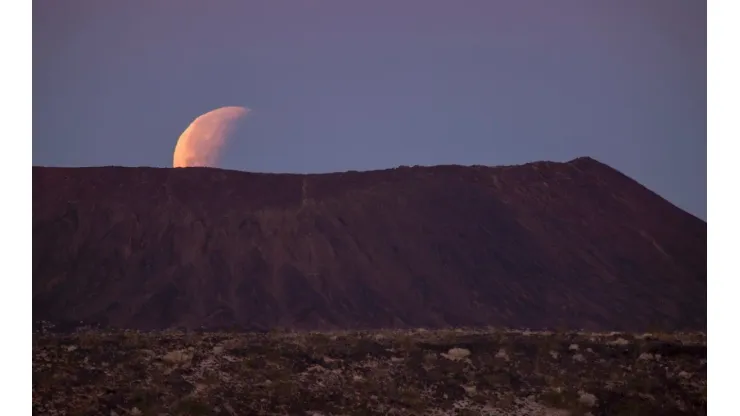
<point x="202" y="142"/>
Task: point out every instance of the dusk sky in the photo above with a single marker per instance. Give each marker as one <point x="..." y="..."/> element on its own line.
<point x="359" y="85"/>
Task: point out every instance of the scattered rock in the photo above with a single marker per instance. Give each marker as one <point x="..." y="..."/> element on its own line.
<point x="587" y="398"/>
<point x="619" y="341"/>
<point x="269" y="373"/>
<point x="178" y="357"/>
<point x="456" y="354"/>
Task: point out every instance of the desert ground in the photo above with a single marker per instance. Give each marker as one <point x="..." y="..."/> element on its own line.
<point x="379" y="372"/>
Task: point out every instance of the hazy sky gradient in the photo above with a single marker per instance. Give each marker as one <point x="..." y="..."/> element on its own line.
<point x="341" y="85"/>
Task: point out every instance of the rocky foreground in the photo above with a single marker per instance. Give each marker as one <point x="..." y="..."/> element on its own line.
<point x="442" y="372"/>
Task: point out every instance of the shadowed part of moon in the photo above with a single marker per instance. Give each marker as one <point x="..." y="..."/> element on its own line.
<point x="202" y="142"/>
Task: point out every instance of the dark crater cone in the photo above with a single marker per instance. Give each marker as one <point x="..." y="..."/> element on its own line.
<point x="542" y="245"/>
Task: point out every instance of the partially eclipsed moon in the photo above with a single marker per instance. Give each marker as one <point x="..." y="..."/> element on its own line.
<point x="202" y="142"/>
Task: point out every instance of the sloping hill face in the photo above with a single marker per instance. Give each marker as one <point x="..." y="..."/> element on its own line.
<point x="542" y="245"/>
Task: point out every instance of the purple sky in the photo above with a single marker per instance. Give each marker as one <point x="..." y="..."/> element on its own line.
<point x="340" y="85"/>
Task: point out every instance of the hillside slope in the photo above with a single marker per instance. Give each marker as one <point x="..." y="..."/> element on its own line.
<point x="542" y="245"/>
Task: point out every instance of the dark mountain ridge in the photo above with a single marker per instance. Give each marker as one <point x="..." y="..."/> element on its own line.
<point x="541" y="245"/>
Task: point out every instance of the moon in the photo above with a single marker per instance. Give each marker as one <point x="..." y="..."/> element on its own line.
<point x="201" y="144"/>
